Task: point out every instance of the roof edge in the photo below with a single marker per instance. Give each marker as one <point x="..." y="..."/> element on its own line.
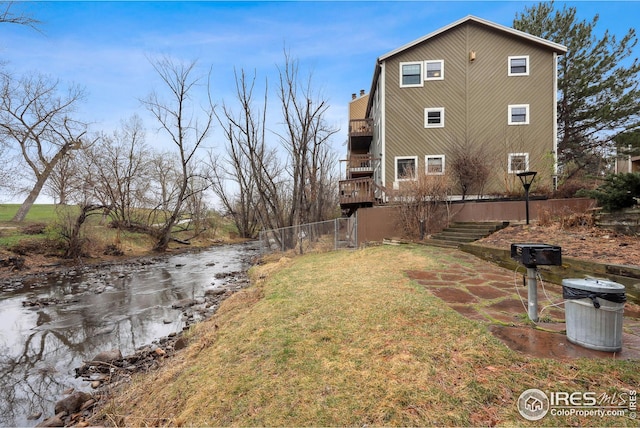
<point x="558" y="48"/>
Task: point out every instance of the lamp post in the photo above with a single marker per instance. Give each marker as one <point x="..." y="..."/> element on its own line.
<point x="527" y="178"/>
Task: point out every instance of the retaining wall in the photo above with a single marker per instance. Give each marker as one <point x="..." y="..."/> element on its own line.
<point x="629" y="276"/>
<point x="379" y="222"/>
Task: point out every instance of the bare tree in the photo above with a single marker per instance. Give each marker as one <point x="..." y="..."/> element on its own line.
<point x="470" y="166"/>
<point x="8" y="171"/>
<point x="63" y="179"/>
<point x="182" y="123"/>
<point x="163" y="182"/>
<point x="196" y="206"/>
<point x="306" y="138"/>
<point x="323" y="183"/>
<point x="120" y="171"/>
<point x="84" y="192"/>
<point x="242" y="165"/>
<point x="233" y="183"/>
<point x="423" y="204"/>
<point x="71" y="229"/>
<point x="35" y="115"/>
<point x="264" y="190"/>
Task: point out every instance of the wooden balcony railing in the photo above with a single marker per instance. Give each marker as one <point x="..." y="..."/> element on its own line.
<point x="361" y="127"/>
<point x="360" y="163"/>
<point x="356" y="191"/>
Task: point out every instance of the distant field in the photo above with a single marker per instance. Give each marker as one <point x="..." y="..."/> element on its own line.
<point x="44" y="213"/>
<point x="14" y="233"/>
<point x="96" y="230"/>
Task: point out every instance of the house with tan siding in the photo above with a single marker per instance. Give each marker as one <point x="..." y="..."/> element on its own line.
<point x="473" y="85"/>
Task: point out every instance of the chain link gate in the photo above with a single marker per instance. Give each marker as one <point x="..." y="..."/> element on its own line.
<point x="340" y="233"/>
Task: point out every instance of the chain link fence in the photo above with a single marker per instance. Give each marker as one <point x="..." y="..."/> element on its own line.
<point x="340" y="233"/>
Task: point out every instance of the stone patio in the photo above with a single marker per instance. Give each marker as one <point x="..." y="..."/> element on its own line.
<point x="497" y="297"/>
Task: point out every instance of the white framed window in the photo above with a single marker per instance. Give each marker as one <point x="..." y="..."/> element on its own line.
<point x="518" y="114"/>
<point x="411" y="74"/>
<point x="434" y="70"/>
<point x="518" y="65"/>
<point x="434" y="165"/>
<point x="406" y="167"/>
<point x="518" y="162"/>
<point x="434" y="117"/>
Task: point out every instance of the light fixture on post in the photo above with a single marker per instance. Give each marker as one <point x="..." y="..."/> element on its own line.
<point x="527" y="178"/>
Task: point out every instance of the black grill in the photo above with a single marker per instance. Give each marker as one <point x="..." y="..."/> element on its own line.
<point x="532" y="255"/>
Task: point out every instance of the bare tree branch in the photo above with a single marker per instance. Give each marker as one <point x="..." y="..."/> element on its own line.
<point x="7" y="16"/>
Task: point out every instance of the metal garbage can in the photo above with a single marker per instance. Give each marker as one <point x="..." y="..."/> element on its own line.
<point x="593" y="312"/>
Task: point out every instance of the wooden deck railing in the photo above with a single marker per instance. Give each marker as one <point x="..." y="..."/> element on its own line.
<point x="360" y="127"/>
<point x="360" y="162"/>
<point x="356" y="191"/>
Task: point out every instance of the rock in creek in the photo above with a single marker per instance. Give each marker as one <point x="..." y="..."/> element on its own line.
<point x="214" y="292"/>
<point x="222" y="275"/>
<point x="40" y="302"/>
<point x="34" y="416"/>
<point x="184" y="303"/>
<point x="73" y="403"/>
<point x="54" y="421"/>
<point x="69" y="409"/>
<point x="108" y="356"/>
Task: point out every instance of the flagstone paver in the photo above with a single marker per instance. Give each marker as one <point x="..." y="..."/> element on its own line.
<point x="497" y="297"/>
<point x="454" y="295"/>
<point x="486" y="291"/>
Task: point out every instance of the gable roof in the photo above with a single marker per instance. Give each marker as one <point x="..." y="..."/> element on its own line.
<point x="556" y="47"/>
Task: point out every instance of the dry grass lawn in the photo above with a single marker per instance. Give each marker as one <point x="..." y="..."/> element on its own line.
<point x="345" y="338"/>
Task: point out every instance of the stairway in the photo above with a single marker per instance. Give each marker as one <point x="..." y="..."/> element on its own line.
<point x="463" y="232"/>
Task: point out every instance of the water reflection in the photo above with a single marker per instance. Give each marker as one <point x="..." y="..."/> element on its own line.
<point x="122" y="307"/>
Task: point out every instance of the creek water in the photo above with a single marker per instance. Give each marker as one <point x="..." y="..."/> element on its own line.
<point x="80" y="313"/>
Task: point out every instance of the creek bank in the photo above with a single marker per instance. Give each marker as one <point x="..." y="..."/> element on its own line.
<point x="108" y="370"/>
<point x="57" y="273"/>
<point x="31" y="269"/>
<point x="104" y="373"/>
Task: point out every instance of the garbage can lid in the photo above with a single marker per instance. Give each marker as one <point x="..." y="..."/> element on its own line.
<point x="597" y="285"/>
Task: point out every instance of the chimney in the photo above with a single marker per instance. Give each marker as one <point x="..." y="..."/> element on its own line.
<point x="353" y="96"/>
<point x="361" y="92"/>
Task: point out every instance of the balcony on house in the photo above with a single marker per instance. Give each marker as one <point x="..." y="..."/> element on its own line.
<point x="359" y="165"/>
<point x="360" y="134"/>
<point x="356" y="192"/>
<point x="358" y="188"/>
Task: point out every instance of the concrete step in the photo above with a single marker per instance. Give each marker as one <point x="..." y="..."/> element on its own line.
<point x="484" y="225"/>
<point x="456" y="231"/>
<point x="458" y="237"/>
<point x="461" y="233"/>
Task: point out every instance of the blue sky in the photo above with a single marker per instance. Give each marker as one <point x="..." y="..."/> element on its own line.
<point x="104" y="46"/>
